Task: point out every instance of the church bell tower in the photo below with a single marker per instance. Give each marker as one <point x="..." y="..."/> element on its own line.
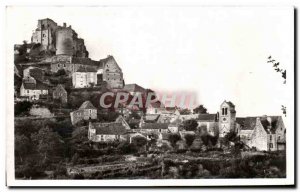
<point x="227" y="117"/>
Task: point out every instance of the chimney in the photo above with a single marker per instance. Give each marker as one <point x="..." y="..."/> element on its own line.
<point x="70" y="26"/>
<point x="65" y="25"/>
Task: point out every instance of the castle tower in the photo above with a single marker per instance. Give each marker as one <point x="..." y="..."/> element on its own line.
<point x="45" y="34"/>
<point x="227" y="117"/>
<point x="64" y="41"/>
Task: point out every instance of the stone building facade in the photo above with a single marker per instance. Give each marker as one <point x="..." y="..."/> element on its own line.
<point x="86" y="112"/>
<point x="111" y="73"/>
<point x="62" y="40"/>
<point x="108" y="132"/>
<point x="84" y="77"/>
<point x="59" y="93"/>
<point x="45" y="34"/>
<point x="227" y="118"/>
<point x="264" y="133"/>
<point x="33" y="90"/>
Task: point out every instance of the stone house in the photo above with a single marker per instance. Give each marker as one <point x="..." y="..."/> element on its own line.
<point x="107" y="132"/>
<point x="84" y="77"/>
<point x="59" y="93"/>
<point x="33" y="90"/>
<point x="209" y="122"/>
<point x="86" y="112"/>
<point x="134" y="89"/>
<point x="152" y="128"/>
<point x="111" y="73"/>
<point x="71" y="64"/>
<point x="155" y="108"/>
<point x="264" y="133"/>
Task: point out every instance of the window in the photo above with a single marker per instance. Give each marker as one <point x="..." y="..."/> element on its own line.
<point x="270" y="137"/>
<point x="58" y="65"/>
<point x="225" y="111"/>
<point x="102" y="138"/>
<point x="44" y="35"/>
<point x="278" y="137"/>
<point x="271" y="145"/>
<point x="222" y="111"/>
<point x="64" y="65"/>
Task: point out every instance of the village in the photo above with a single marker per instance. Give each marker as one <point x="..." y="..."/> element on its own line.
<point x="64" y="131"/>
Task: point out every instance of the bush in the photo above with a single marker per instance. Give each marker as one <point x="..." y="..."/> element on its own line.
<point x="127" y="148"/>
<point x="22" y="108"/>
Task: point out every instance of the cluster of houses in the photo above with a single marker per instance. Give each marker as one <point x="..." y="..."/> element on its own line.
<point x="69" y="55"/>
<point x="263" y="133"/>
<point x="71" y="60"/>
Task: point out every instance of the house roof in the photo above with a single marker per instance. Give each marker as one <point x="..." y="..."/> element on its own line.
<point x="85" y="61"/>
<point x="60" y="87"/>
<point x="30" y="86"/>
<point x="207" y="117"/>
<point x="87" y="105"/>
<point x="268" y="122"/>
<point x="35" y="86"/>
<point x="86" y="70"/>
<point x="155" y="126"/>
<point x="151" y="117"/>
<point x="109" y="128"/>
<point x="133" y="88"/>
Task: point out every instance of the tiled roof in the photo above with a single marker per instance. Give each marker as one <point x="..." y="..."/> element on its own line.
<point x="249" y="123"/>
<point x="155" y="126"/>
<point x="109" y="128"/>
<point x="85" y="61"/>
<point x="240" y="120"/>
<point x="60" y="87"/>
<point x="87" y="105"/>
<point x="133" y="88"/>
<point x="38" y="86"/>
<point x="30" y="86"/>
<point x="151" y="117"/>
<point x="86" y="70"/>
<point x="207" y="117"/>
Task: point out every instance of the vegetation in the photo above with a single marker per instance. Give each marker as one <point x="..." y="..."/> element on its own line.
<point x="200" y="109"/>
<point x="190" y="125"/>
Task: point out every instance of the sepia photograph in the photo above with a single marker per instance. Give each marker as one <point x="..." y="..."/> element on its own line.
<point x="150" y="96"/>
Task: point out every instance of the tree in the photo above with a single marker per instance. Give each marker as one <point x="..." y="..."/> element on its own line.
<point x="200" y="109"/>
<point x="48" y="143"/>
<point x="283" y="75"/>
<point x="60" y="72"/>
<point x="185" y="112"/>
<point x="277" y="69"/>
<point x="22" y="107"/>
<point x="231" y="136"/>
<point x="139" y="141"/>
<point x="189" y="139"/>
<point x="190" y="125"/>
<point x="127" y="148"/>
<point x="173" y="138"/>
<point x="22" y="146"/>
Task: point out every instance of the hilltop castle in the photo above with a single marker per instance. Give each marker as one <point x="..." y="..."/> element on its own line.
<point x="62" y="40"/>
<point x="54" y="48"/>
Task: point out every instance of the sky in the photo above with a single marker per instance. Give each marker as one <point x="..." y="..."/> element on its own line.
<point x="218" y="53"/>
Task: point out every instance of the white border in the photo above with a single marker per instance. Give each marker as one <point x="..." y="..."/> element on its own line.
<point x="160" y="182"/>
